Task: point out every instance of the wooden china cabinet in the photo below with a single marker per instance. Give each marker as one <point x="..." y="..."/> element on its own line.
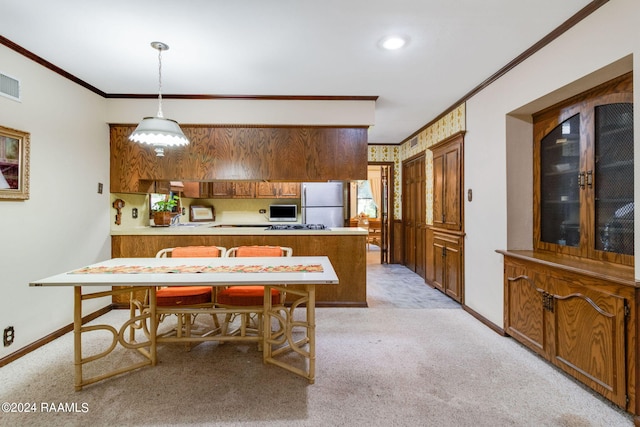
<point x="445" y="238"/>
<point x="573" y="298"/>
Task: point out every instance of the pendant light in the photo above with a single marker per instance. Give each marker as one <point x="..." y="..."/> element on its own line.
<point x="159" y="131"/>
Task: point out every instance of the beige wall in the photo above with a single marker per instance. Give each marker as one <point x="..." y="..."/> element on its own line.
<point x="65" y="222"/>
<point x="498" y="139"/>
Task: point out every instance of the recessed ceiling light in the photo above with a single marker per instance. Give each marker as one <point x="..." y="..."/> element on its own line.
<point x="393" y="42"/>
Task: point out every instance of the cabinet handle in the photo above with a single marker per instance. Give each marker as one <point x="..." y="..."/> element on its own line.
<point x="590" y="179"/>
<point x="444" y="252"/>
<point x="581" y="180"/>
<point x="547" y="301"/>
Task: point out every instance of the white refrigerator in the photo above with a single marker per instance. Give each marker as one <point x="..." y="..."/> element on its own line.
<point x="323" y="203"/>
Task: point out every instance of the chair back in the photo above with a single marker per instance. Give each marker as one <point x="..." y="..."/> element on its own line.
<point x="259" y="251"/>
<point x="192" y="252"/>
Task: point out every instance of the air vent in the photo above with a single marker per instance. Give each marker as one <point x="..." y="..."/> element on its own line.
<point x="413" y="142"/>
<point x="9" y="87"/>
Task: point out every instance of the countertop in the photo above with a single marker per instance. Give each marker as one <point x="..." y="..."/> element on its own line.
<point x="209" y="228"/>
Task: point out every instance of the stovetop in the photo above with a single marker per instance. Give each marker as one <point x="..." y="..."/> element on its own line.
<point x="297" y="227"/>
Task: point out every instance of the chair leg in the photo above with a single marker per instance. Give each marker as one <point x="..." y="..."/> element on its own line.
<point x="216" y="322"/>
<point x="132" y="329"/>
<point x="260" y="331"/>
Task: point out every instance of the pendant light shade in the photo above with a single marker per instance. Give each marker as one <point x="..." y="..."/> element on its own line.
<point x="159" y="131"/>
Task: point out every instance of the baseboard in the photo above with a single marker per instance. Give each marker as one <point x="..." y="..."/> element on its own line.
<point x="341" y="304"/>
<point x="52" y="336"/>
<point x="497" y="329"/>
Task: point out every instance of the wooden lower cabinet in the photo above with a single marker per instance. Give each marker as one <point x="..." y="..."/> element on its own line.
<point x="347" y="254"/>
<point x="581" y="319"/>
<point x="445" y="263"/>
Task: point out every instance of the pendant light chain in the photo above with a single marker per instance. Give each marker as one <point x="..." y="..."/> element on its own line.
<point x="160" y="82"/>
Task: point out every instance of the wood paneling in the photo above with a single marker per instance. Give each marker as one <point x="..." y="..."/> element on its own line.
<point x="347" y="254"/>
<point x="241" y="153"/>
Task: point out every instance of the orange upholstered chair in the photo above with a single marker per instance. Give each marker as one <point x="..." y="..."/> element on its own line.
<point x="249" y="296"/>
<point x="187" y="295"/>
<point x="183" y="296"/>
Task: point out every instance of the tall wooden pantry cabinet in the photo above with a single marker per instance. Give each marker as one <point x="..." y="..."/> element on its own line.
<point x="445" y="238"/>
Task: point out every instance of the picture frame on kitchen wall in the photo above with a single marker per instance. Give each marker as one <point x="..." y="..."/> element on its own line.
<point x="14" y="164"/>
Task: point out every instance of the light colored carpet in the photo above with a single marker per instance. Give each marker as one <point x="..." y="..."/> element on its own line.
<point x="375" y="367"/>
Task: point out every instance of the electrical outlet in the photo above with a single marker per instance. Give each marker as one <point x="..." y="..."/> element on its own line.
<point x="8" y="336"/>
<point x="262" y="211"/>
<point x="99" y="188"/>
<point x="134" y="213"/>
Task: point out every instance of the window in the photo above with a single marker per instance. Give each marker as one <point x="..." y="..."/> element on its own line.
<point x="365" y="200"/>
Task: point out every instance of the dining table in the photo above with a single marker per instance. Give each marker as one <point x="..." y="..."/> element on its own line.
<point x="298" y="276"/>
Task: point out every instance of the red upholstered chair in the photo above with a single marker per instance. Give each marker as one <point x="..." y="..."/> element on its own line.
<point x="184" y="296"/>
<point x="249" y="296"/>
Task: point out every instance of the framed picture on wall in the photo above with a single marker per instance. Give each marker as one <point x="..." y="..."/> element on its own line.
<point x="14" y="164"/>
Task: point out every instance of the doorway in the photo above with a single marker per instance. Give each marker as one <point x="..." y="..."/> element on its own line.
<point x="374" y="197"/>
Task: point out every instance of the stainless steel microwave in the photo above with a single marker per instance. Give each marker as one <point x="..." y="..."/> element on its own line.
<point x="288" y="213"/>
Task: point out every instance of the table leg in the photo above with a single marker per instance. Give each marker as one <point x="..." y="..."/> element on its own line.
<point x="77" y="336"/>
<point x="311" y="331"/>
<point x="118" y="336"/>
<point x="283" y="341"/>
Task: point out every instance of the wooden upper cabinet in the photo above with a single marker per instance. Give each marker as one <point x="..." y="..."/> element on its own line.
<point x="584" y="175"/>
<point x="222" y="189"/>
<point x="241" y="153"/>
<point x="266" y="190"/>
<point x="278" y="190"/>
<point x="233" y="190"/>
<point x="244" y="190"/>
<point x="447" y="183"/>
<point x="288" y="190"/>
<point x="197" y="190"/>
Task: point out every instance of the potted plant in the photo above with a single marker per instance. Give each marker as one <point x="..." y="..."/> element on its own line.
<point x="163" y="209"/>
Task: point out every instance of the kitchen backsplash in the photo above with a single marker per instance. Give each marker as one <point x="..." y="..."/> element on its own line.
<point x="228" y="211"/>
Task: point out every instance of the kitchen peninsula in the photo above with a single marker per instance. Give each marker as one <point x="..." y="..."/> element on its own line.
<point x="344" y="246"/>
<point x="229" y="167"/>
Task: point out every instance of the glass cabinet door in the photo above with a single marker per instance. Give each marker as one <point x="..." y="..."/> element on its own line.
<point x="584" y="175"/>
<point x="559" y="184"/>
<point x="613" y="181"/>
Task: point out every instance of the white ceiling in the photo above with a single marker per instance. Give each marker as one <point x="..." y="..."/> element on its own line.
<point x="289" y="47"/>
